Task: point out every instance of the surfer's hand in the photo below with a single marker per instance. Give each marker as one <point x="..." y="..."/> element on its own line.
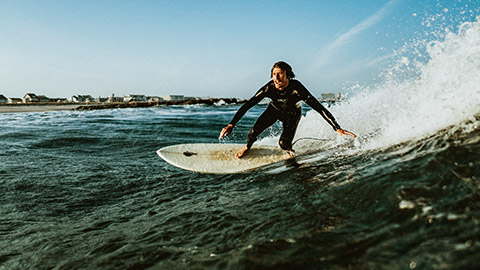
<point x="225" y="131"/>
<point x="344" y="132"/>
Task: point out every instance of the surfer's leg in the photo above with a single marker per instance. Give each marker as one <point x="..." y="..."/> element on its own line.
<point x="268" y="118"/>
<point x="289" y="128"/>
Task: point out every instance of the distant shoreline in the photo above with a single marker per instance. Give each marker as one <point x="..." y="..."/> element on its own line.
<point x="45" y="107"/>
<point x="16" y="108"/>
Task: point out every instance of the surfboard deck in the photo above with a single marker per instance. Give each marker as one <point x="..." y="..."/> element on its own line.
<point x="220" y="158"/>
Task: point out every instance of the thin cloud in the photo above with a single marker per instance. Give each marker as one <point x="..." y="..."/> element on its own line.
<point x="327" y="52"/>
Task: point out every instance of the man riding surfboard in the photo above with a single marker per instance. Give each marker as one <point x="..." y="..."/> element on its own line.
<point x="286" y="94"/>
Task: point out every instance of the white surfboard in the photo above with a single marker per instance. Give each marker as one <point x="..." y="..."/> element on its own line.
<point x="220" y="158"/>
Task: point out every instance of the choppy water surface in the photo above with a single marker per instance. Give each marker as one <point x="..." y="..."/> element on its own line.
<point x="84" y="190"/>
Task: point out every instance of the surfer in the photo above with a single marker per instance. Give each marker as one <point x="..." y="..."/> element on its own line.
<point x="286" y="94"/>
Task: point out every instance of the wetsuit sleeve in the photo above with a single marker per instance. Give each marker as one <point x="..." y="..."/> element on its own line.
<point x="317" y="106"/>
<point x="261" y="93"/>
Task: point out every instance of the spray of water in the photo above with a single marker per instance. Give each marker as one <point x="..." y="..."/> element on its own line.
<point x="420" y="94"/>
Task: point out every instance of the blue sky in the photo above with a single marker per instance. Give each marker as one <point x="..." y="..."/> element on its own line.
<point x="205" y="48"/>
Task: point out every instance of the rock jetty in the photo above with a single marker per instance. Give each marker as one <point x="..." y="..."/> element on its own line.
<point x="135" y="104"/>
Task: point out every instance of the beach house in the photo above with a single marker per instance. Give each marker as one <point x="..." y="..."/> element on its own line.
<point x="137" y="98"/>
<point x="15" y="100"/>
<point x="82" y="98"/>
<point x="43" y="99"/>
<point x="154" y="99"/>
<point x="59" y="100"/>
<point x="328" y="97"/>
<point x="30" y="98"/>
<point x="3" y="99"/>
<point x="114" y="99"/>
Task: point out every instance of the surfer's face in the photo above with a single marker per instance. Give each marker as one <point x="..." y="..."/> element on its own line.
<point x="280" y="78"/>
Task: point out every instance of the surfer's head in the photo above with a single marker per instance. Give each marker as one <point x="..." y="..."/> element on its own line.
<point x="281" y="75"/>
<point x="285" y="67"/>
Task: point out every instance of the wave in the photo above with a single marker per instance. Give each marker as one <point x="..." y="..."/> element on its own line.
<point x="419" y="95"/>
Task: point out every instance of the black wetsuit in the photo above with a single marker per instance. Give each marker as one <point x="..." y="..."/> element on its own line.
<point x="285" y="106"/>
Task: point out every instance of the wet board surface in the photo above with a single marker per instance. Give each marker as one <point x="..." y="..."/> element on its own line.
<point x="220" y="158"/>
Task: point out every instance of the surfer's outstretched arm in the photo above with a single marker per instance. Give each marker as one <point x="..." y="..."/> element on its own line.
<point x="315" y="104"/>
<point x="245" y="107"/>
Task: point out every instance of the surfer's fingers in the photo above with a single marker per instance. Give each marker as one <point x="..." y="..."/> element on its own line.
<point x="225" y="131"/>
<point x="222" y="133"/>
<point x="346" y="132"/>
<point x="351" y="134"/>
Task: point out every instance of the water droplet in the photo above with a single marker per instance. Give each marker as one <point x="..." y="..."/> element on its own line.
<point x="406" y="205"/>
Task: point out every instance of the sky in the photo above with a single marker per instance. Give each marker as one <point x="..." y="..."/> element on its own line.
<point x="206" y="48"/>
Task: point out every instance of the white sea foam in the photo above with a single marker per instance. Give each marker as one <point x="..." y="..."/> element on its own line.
<point x="440" y="92"/>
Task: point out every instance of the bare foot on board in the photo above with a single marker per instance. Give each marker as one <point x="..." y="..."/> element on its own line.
<point x="290" y="153"/>
<point x="242" y="152"/>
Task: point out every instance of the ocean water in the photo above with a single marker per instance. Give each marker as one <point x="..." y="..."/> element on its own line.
<point x="86" y="190"/>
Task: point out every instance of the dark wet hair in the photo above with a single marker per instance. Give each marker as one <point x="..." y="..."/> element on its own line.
<point x="285" y="67"/>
